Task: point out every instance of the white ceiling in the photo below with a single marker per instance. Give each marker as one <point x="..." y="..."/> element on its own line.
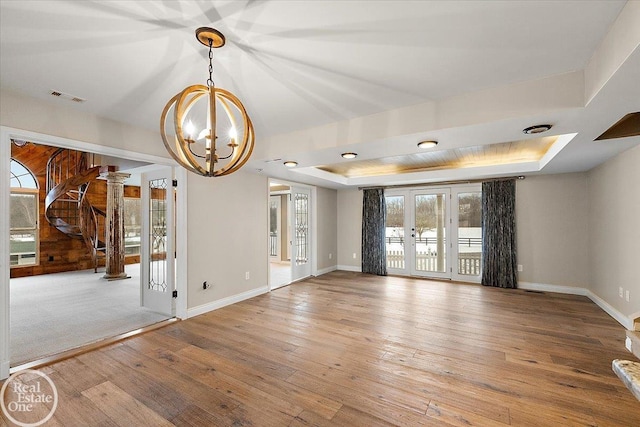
<point x="298" y="65"/>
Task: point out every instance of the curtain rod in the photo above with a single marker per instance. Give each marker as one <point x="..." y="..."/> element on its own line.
<point x="441" y="183"/>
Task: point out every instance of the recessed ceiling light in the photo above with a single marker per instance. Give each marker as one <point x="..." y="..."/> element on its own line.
<point x="427" y="144"/>
<point x="349" y="155"/>
<point x="290" y="164"/>
<point x="536" y="129"/>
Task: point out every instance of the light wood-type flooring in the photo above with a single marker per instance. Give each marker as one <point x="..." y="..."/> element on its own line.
<point x="347" y="349"/>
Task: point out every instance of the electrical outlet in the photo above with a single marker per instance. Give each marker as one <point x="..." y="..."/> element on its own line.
<point x="621" y="292"/>
<point x="627" y="295"/>
<point x="520" y="267"/>
<point x="354" y="255"/>
<point x="246" y="275"/>
<point x="330" y="255"/>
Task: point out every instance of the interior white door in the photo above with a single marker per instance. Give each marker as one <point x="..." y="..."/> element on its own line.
<point x="157" y="261"/>
<point x="300" y="208"/>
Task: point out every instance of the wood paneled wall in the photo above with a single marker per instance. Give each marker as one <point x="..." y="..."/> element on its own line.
<point x="59" y="252"/>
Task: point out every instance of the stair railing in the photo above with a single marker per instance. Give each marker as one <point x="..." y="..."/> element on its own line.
<point x="69" y="175"/>
<point x="92" y="226"/>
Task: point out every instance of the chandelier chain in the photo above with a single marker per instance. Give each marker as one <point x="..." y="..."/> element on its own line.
<point x="210" y="80"/>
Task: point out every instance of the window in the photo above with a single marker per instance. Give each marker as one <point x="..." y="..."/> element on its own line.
<point x="23" y="211"/>
<point x="132" y="225"/>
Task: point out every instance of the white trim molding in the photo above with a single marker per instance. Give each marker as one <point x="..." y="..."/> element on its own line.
<point x="214" y="305"/>
<point x="5" y="159"/>
<point x="326" y="270"/>
<point x="350" y="268"/>
<point x="619" y="317"/>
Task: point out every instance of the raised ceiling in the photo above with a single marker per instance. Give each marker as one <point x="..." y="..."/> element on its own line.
<point x="323" y="77"/>
<point x="504" y="153"/>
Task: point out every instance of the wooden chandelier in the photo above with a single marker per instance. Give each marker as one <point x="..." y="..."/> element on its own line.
<point x="198" y="150"/>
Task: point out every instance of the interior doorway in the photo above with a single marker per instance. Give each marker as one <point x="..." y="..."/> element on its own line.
<point x="279" y="235"/>
<point x="54" y="311"/>
<point x="290" y="233"/>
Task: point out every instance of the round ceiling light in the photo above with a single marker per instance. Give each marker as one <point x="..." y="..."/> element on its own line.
<point x="290" y="164"/>
<point x="349" y="155"/>
<point x="427" y="144"/>
<point x="536" y="129"/>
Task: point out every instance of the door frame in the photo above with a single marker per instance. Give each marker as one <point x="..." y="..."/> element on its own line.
<point x="278" y="255"/>
<point x="313" y="223"/>
<point x="8" y="133"/>
<point x="451" y="232"/>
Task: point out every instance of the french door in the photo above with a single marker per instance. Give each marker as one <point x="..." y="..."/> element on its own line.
<point x="435" y="232"/>
<point x="300" y="209"/>
<point x="157" y="261"/>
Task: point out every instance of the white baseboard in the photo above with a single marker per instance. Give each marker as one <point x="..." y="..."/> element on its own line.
<point x="214" y="305"/>
<point x="571" y="290"/>
<point x="350" y="268"/>
<point x="326" y="270"/>
<point x="621" y="318"/>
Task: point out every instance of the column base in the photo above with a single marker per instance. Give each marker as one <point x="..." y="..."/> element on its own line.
<point x="118" y="276"/>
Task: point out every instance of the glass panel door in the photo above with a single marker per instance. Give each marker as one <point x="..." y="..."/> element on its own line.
<point x="394" y="233"/>
<point x="430" y="231"/>
<point x="300" y="244"/>
<point x="469" y="231"/>
<point x="158" y="253"/>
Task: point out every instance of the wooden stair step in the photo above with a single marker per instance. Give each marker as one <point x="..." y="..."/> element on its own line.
<point x="629" y="372"/>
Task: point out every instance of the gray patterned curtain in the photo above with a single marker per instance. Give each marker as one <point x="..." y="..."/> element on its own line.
<point x="499" y="267"/>
<point x="374" y="256"/>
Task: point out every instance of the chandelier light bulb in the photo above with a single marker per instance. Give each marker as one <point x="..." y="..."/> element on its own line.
<point x="189" y="129"/>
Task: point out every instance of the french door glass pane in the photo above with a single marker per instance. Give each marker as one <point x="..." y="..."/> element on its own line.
<point x="158" y="189"/>
<point x="469" y="233"/>
<point x="395" y="231"/>
<point x="301" y="211"/>
<point x="430" y="232"/>
<point x="273" y="225"/>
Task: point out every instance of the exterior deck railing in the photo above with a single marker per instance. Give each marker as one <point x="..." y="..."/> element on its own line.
<point x="468" y="263"/>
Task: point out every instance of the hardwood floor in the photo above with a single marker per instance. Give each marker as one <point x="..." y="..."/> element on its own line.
<point x="348" y="349"/>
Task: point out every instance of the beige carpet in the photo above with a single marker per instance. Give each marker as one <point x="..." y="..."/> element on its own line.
<point x="57" y="312"/>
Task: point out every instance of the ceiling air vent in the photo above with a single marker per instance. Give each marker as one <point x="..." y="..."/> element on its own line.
<point x="66" y="96"/>
<point x="629" y="125"/>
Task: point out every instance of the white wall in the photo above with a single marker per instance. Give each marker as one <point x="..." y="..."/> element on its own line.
<point x="614" y="226"/>
<point x="552" y="229"/>
<point x="227" y="236"/>
<point x="327" y="233"/>
<point x="349" y="229"/>
<point x="56" y="118"/>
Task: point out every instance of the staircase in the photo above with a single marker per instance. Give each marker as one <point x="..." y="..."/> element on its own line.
<point x="67" y="208"/>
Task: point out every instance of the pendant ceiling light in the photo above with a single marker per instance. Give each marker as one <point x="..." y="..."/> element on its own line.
<point x="211" y="139"/>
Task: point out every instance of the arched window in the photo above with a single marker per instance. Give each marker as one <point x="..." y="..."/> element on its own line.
<point x="24" y="216"/>
<point x="21" y="177"/>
